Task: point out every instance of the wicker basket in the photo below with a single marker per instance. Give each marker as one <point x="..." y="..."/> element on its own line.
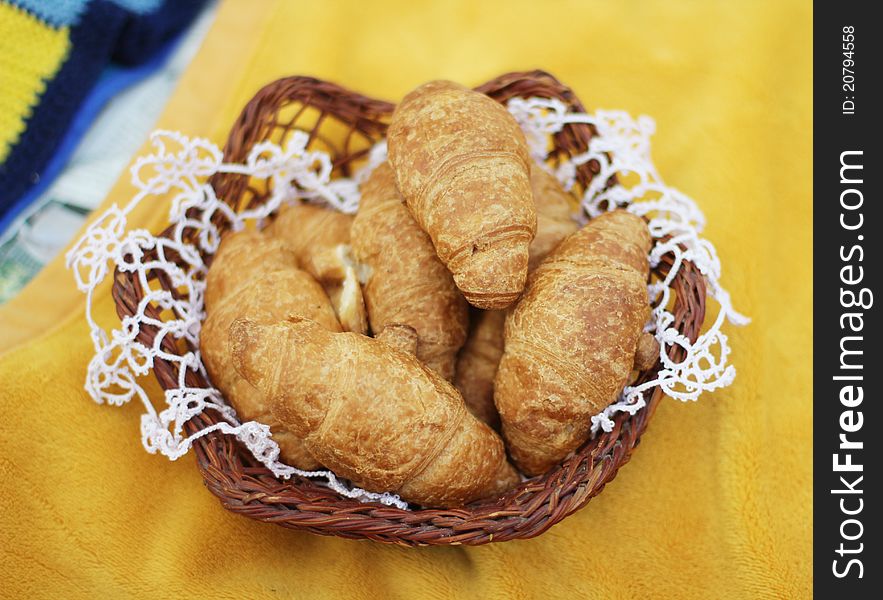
<point x="246" y="487"/>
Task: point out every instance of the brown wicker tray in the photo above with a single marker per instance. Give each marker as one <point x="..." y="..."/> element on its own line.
<point x="330" y="113"/>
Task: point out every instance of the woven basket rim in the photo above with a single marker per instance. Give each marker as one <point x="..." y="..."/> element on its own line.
<point x="244" y="486"/>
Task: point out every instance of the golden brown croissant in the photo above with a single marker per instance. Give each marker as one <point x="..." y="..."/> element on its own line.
<point x="406" y="283"/>
<point x="462" y="165"/>
<point x="401" y="337"/>
<point x="319" y="238"/>
<point x="372" y="413"/>
<point x="240" y="257"/>
<point x="264" y="290"/>
<point x="477" y="363"/>
<point x="554" y="221"/>
<point x="571" y="341"/>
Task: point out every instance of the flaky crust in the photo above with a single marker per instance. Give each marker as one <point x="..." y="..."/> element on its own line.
<point x="406" y="283"/>
<point x="264" y="290"/>
<point x="461" y="162"/>
<point x="554" y="207"/>
<point x="313" y="234"/>
<point x="647" y="353"/>
<point x="240" y="257"/>
<point x="371" y="413"/>
<point x="479" y="358"/>
<point x="477" y="365"/>
<point x="319" y="239"/>
<point x="399" y="336"/>
<point x="570" y="342"/>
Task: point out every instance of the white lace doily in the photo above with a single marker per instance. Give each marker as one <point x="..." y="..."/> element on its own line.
<point x="179" y="167"/>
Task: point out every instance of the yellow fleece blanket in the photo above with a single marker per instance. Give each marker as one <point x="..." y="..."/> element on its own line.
<point x="716" y="503"/>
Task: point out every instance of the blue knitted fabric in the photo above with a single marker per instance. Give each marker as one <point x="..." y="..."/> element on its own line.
<point x="126" y="32"/>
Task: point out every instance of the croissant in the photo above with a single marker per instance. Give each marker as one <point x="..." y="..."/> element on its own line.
<point x="319" y="239"/>
<point x="372" y="413"/>
<point x="240" y="257"/>
<point x="571" y="342"/>
<point x="477" y="362"/>
<point x="406" y="283"/>
<point x="462" y="165"/>
<point x="477" y="365"/>
<point x="265" y="291"/>
<point x="554" y="208"/>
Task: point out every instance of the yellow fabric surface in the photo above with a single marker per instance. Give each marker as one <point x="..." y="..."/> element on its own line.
<point x="30" y="53"/>
<point x="715" y="503"/>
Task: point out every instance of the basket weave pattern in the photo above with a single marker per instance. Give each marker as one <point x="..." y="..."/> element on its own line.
<point x="326" y="110"/>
